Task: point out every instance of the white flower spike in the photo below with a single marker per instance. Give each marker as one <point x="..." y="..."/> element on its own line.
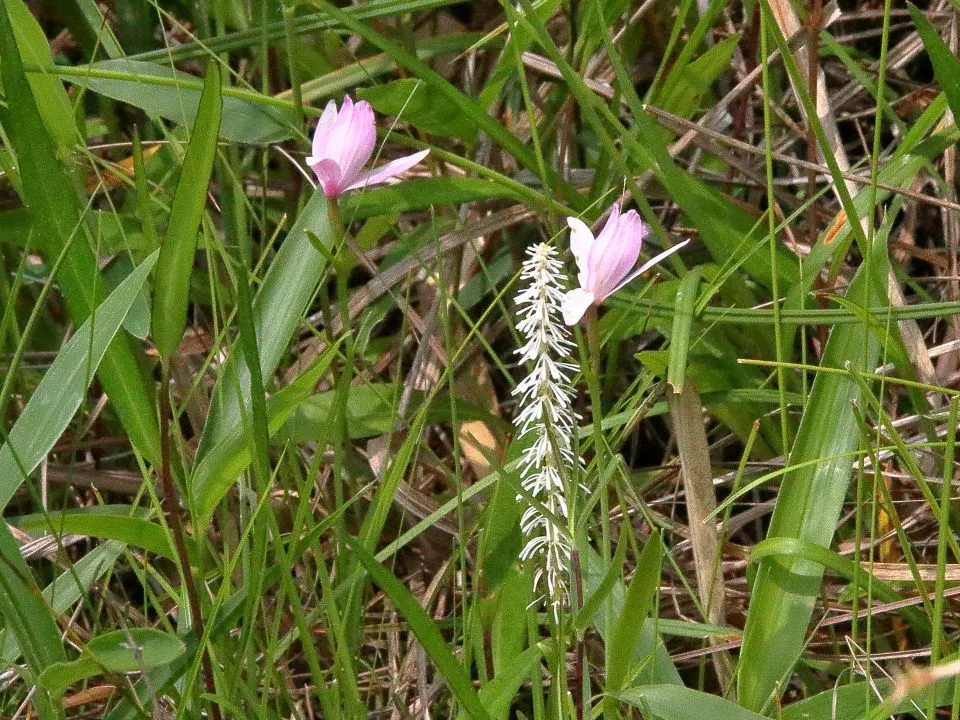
<point x="546" y="415"/>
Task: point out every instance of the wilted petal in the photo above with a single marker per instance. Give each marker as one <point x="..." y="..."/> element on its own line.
<point x="575" y="304"/>
<point x="378" y="175"/>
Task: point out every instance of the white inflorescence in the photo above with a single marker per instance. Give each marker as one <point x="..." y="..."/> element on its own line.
<point x="547" y="416"/>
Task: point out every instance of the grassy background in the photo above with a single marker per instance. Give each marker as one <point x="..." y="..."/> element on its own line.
<point x="770" y="527"/>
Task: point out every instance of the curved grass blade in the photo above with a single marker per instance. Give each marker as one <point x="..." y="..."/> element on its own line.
<point x="426" y="631"/>
<point x="176" y="254"/>
<point x="112" y="522"/>
<point x="63" y="387"/>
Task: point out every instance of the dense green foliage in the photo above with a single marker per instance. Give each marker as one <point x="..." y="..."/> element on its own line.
<point x="257" y="446"/>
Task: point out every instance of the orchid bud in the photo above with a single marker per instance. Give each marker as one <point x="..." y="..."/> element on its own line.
<point x="343" y="144"/>
<point x="605" y="261"/>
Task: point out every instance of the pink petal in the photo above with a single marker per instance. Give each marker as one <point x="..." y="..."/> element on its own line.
<point x="581" y="240"/>
<point x="340" y="133"/>
<point x="321" y="135"/>
<point x="574" y="304"/>
<point x="649" y="264"/>
<point x="361" y="138"/>
<point x="328" y="172"/>
<point x="374" y="176"/>
<point x="619" y="254"/>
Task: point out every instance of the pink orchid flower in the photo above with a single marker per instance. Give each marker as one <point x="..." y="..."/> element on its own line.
<point x="605" y="261"/>
<point x="343" y="143"/>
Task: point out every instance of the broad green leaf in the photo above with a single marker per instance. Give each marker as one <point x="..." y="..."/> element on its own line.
<point x="175" y="265"/>
<point x="423" y="626"/>
<point x="673" y="702"/>
<point x="53" y="404"/>
<point x="649" y="652"/>
<point x="120" y="651"/>
<point x="218" y="469"/>
<point x="67" y="589"/>
<point x="173" y="95"/>
<point x="371" y="411"/>
<point x="52" y="198"/>
<point x="112" y="522"/>
<point x="808" y="507"/>
<point x="25" y="614"/>
<point x="497" y="694"/>
<point x="278" y="309"/>
<point x="856" y="700"/>
<point x="946" y="66"/>
<point x="411" y="100"/>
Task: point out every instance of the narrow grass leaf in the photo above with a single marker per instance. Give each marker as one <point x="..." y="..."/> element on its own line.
<point x="420" y="193"/>
<point x="808" y="507"/>
<point x="25" y="614"/>
<point x="626" y="630"/>
<point x="50" y="194"/>
<point x="175" y="265"/>
<point x="55" y="401"/>
<point x="680" y="334"/>
<point x="426" y="631"/>
<point x="111" y="522"/>
<point x="946" y="66"/>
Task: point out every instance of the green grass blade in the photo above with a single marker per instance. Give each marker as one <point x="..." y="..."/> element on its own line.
<point x="680" y="333"/>
<point x="278" y="309"/>
<point x="175" y="265"/>
<point x="111" y="522"/>
<point x="808" y="507"/>
<point x="426" y="631"/>
<point x="626" y="630"/>
<point x="50" y="194"/>
<point x="946" y="67"/>
<point x="672" y="702"/>
<point x="27" y="617"/>
<point x="63" y="387"/>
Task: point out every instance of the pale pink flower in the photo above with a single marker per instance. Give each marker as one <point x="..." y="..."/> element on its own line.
<point x="343" y="143"/>
<point x="605" y="261"/>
